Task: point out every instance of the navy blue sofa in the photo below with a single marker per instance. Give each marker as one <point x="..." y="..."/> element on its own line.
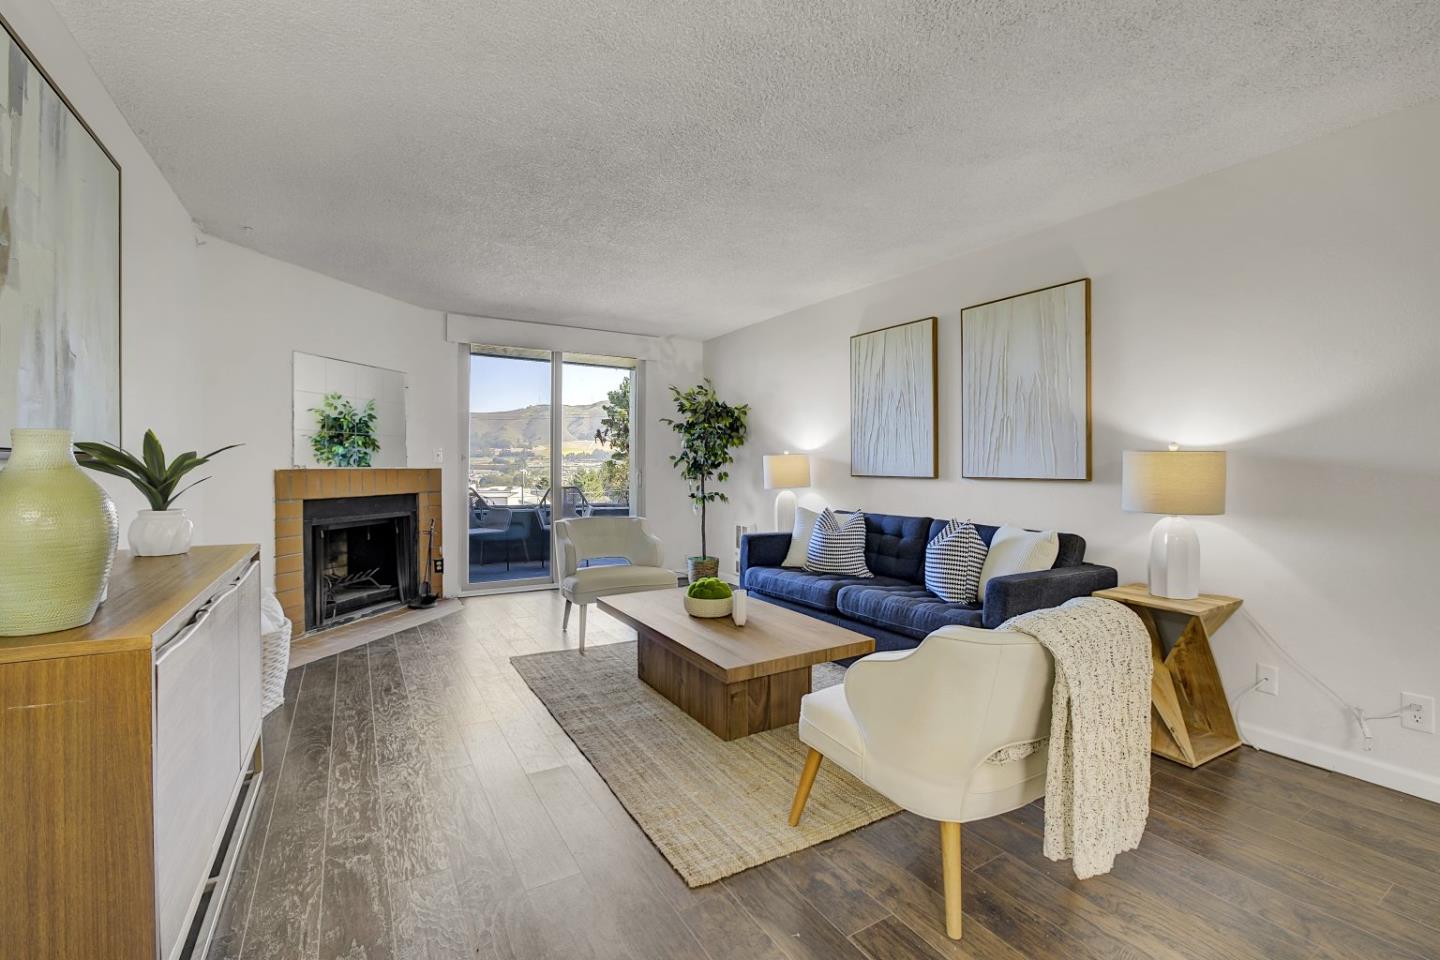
<point x="893" y="606"/>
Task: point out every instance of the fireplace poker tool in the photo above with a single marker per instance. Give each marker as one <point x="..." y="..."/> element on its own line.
<point x="427" y="593"/>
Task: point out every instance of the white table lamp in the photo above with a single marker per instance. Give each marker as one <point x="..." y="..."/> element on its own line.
<point x="1176" y="483"/>
<point x="785" y="472"/>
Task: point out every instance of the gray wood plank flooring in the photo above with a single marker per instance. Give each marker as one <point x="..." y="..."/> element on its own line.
<point x="420" y="802"/>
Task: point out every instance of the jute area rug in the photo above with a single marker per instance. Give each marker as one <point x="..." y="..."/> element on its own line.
<point x="712" y="808"/>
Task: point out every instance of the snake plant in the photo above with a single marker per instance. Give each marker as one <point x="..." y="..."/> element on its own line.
<point x="150" y="474"/>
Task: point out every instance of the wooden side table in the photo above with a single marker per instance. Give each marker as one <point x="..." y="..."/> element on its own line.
<point x="1195" y="722"/>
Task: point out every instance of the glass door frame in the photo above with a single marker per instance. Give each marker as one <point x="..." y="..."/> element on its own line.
<point x="470" y="588"/>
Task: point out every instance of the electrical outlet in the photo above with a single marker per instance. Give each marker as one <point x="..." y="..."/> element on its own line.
<point x="1267" y="675"/>
<point x="1417" y="713"/>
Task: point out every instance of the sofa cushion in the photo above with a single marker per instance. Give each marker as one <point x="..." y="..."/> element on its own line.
<point x="800" y="538"/>
<point x="1015" y="550"/>
<point x="1072" y="550"/>
<point x="954" y="559"/>
<point x="895" y="545"/>
<point x="909" y="609"/>
<point x="590" y="583"/>
<point x="837" y="546"/>
<point x="817" y="590"/>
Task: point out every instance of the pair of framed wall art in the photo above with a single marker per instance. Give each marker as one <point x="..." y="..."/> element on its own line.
<point x="1024" y="398"/>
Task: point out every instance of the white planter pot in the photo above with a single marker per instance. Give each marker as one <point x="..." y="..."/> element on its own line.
<point x="700" y="607"/>
<point x="160" y="533"/>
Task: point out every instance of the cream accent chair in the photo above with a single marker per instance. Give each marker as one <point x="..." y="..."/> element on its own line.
<point x="588" y="538"/>
<point x="918" y="726"/>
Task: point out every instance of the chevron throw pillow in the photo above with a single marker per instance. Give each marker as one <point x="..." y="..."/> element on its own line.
<point x="953" y="561"/>
<point x="838" y="546"/>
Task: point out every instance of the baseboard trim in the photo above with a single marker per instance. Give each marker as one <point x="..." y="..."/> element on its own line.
<point x="1351" y="764"/>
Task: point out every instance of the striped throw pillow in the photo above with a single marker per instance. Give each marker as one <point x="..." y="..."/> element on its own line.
<point x="838" y="546"/>
<point x="953" y="561"/>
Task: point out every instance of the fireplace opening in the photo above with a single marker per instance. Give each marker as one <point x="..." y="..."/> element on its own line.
<point x="360" y="557"/>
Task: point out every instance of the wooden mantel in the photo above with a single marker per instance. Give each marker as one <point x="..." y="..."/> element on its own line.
<point x="294" y="487"/>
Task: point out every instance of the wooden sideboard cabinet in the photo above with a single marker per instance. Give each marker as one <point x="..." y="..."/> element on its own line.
<point x="129" y="762"/>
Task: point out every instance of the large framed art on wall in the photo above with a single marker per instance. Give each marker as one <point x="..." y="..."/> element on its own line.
<point x="894" y="401"/>
<point x="59" y="260"/>
<point x="1025" y="385"/>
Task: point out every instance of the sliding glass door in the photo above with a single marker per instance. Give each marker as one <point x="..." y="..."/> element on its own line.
<point x="595" y="470"/>
<point x="529" y="467"/>
<point x="510" y="465"/>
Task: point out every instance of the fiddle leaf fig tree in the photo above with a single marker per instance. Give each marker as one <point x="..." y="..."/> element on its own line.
<point x="709" y="430"/>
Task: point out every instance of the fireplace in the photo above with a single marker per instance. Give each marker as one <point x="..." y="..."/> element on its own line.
<point x="360" y="557"/>
<point x="300" y="499"/>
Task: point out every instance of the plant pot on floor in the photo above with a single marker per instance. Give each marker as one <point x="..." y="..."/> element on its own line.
<point x="160" y="533"/>
<point x="697" y="567"/>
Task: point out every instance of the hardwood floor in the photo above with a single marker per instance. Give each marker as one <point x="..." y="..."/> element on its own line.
<point x="420" y="802"/>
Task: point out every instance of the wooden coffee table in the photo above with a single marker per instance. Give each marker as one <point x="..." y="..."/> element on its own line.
<point x="735" y="680"/>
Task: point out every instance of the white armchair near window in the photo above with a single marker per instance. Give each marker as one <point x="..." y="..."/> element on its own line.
<point x="920" y="727"/>
<point x="592" y="538"/>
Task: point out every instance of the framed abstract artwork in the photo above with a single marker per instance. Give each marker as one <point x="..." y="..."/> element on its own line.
<point x="59" y="261"/>
<point x="1025" y="385"/>
<point x="894" y="401"/>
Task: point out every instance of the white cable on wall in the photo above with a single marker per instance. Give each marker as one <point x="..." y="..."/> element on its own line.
<point x="1235" y="708"/>
<point x="1355" y="713"/>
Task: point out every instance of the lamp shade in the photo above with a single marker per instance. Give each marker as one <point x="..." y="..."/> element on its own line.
<point x="785" y="470"/>
<point x="1174" y="482"/>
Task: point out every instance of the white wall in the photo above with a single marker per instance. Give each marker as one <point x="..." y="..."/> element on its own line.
<point x="160" y="387"/>
<point x="259" y="312"/>
<point x="1288" y="310"/>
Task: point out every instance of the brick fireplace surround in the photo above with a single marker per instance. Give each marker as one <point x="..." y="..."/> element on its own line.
<point x="294" y="487"/>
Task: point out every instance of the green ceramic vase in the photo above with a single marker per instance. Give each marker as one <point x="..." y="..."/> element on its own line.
<point x="57" y="536"/>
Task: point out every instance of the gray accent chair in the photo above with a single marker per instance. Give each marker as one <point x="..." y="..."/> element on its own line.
<point x="590" y="538"/>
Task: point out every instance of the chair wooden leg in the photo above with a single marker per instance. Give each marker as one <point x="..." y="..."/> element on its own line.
<point x="802" y="789"/>
<point x="583" y="608"/>
<point x="565" y="623"/>
<point x="950" y="865"/>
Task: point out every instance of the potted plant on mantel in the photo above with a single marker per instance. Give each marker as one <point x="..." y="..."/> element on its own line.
<point x="709" y="429"/>
<point x="160" y="531"/>
<point x="344" y="433"/>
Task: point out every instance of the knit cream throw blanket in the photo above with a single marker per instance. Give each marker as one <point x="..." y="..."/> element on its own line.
<point x="1097" y="784"/>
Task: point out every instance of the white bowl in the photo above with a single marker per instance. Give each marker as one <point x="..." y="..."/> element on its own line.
<point x="698" y="607"/>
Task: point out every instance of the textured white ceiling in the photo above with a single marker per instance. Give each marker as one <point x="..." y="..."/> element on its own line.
<point x="690" y="168"/>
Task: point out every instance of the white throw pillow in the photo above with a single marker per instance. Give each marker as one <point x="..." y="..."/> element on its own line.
<point x="1014" y="550"/>
<point x="800" y="537"/>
